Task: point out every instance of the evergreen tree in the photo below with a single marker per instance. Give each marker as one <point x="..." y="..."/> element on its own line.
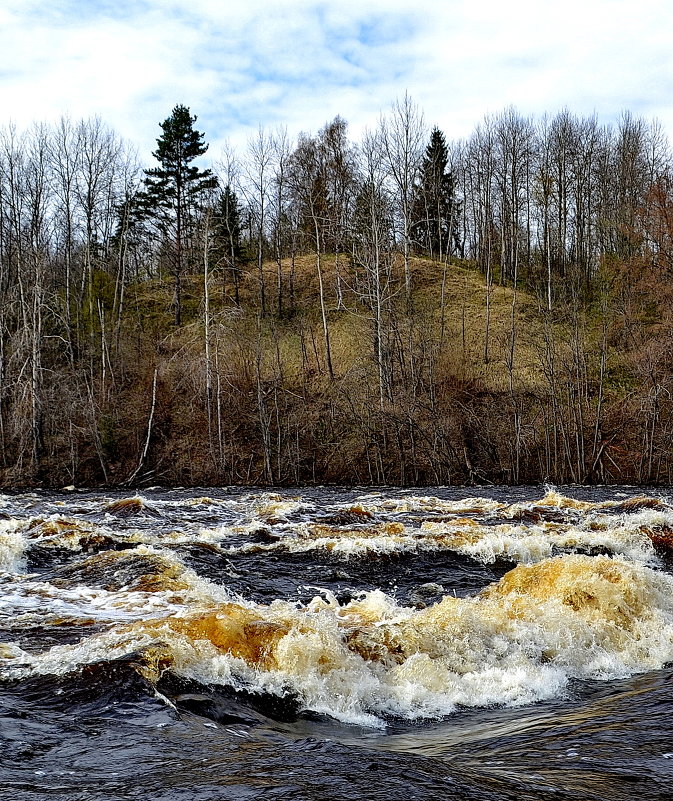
<point x="436" y="208"/>
<point x="173" y="190"/>
<point x="228" y="248"/>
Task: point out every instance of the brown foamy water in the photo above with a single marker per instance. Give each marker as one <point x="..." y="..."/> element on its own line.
<point x="330" y="643"/>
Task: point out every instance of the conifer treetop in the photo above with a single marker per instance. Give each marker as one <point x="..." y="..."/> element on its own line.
<point x="179" y="145"/>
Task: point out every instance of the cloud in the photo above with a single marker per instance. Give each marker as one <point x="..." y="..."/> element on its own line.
<point x="239" y="65"/>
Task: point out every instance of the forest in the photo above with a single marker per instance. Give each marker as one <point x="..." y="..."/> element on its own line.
<point x="404" y="309"/>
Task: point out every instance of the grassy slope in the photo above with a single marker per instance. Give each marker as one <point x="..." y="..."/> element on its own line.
<point x="464" y="318"/>
<point x="336" y="419"/>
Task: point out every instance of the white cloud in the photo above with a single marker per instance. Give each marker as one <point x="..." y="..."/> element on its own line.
<point x="238" y="65"/>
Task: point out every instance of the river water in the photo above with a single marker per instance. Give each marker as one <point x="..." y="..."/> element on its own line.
<point x="490" y="643"/>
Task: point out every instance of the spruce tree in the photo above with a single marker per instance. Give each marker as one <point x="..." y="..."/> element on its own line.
<point x="436" y="208"/>
<point x="174" y="189"/>
<point x="228" y="248"/>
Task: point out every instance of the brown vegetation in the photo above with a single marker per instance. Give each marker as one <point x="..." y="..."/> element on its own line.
<point x="320" y="349"/>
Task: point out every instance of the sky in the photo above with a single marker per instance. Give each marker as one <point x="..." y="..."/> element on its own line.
<point x="298" y="63"/>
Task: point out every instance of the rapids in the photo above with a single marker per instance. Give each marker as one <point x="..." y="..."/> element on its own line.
<point x="325" y="643"/>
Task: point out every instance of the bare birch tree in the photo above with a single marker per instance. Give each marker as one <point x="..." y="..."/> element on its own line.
<point x="402" y="135"/>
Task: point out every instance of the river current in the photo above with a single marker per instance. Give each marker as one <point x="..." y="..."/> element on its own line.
<point x="490" y="643"/>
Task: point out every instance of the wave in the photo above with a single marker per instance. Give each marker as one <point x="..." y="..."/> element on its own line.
<point x="520" y="640"/>
<point x="484" y="529"/>
<point x="639" y="536"/>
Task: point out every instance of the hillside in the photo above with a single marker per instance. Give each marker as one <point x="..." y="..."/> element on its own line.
<point x="412" y="399"/>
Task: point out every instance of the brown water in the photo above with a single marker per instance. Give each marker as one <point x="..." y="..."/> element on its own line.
<point x="322" y="644"/>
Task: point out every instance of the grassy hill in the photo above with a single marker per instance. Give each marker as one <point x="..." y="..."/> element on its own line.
<point x="458" y="383"/>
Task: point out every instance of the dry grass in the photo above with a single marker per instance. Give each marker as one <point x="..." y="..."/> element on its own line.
<point x="458" y="335"/>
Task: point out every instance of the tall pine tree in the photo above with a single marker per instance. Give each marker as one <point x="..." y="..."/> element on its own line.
<point x="174" y="189"/>
<point x="436" y="208"/>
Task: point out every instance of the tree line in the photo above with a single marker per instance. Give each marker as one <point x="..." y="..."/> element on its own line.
<point x="403" y="309"/>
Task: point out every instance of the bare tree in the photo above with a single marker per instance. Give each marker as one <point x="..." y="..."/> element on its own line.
<point x="227" y="222"/>
<point x="339" y="166"/>
<point x="402" y="135"/>
<point x="308" y="182"/>
<point x="373" y="256"/>
<point x="479" y="191"/>
<point x="259" y="174"/>
<point x="281" y="219"/>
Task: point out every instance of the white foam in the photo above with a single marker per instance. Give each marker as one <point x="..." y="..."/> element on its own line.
<point x="12" y="546"/>
<point x="521" y="640"/>
<point x="518" y="642"/>
<point x="624" y="535"/>
<point x="493" y="649"/>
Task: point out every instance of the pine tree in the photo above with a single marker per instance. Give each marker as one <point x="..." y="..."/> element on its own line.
<point x="436" y="208"/>
<point x="174" y="189"/>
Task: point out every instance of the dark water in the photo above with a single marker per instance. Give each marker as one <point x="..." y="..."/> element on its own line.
<point x="336" y="644"/>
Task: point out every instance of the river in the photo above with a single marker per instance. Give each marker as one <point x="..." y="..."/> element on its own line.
<point x="481" y="643"/>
